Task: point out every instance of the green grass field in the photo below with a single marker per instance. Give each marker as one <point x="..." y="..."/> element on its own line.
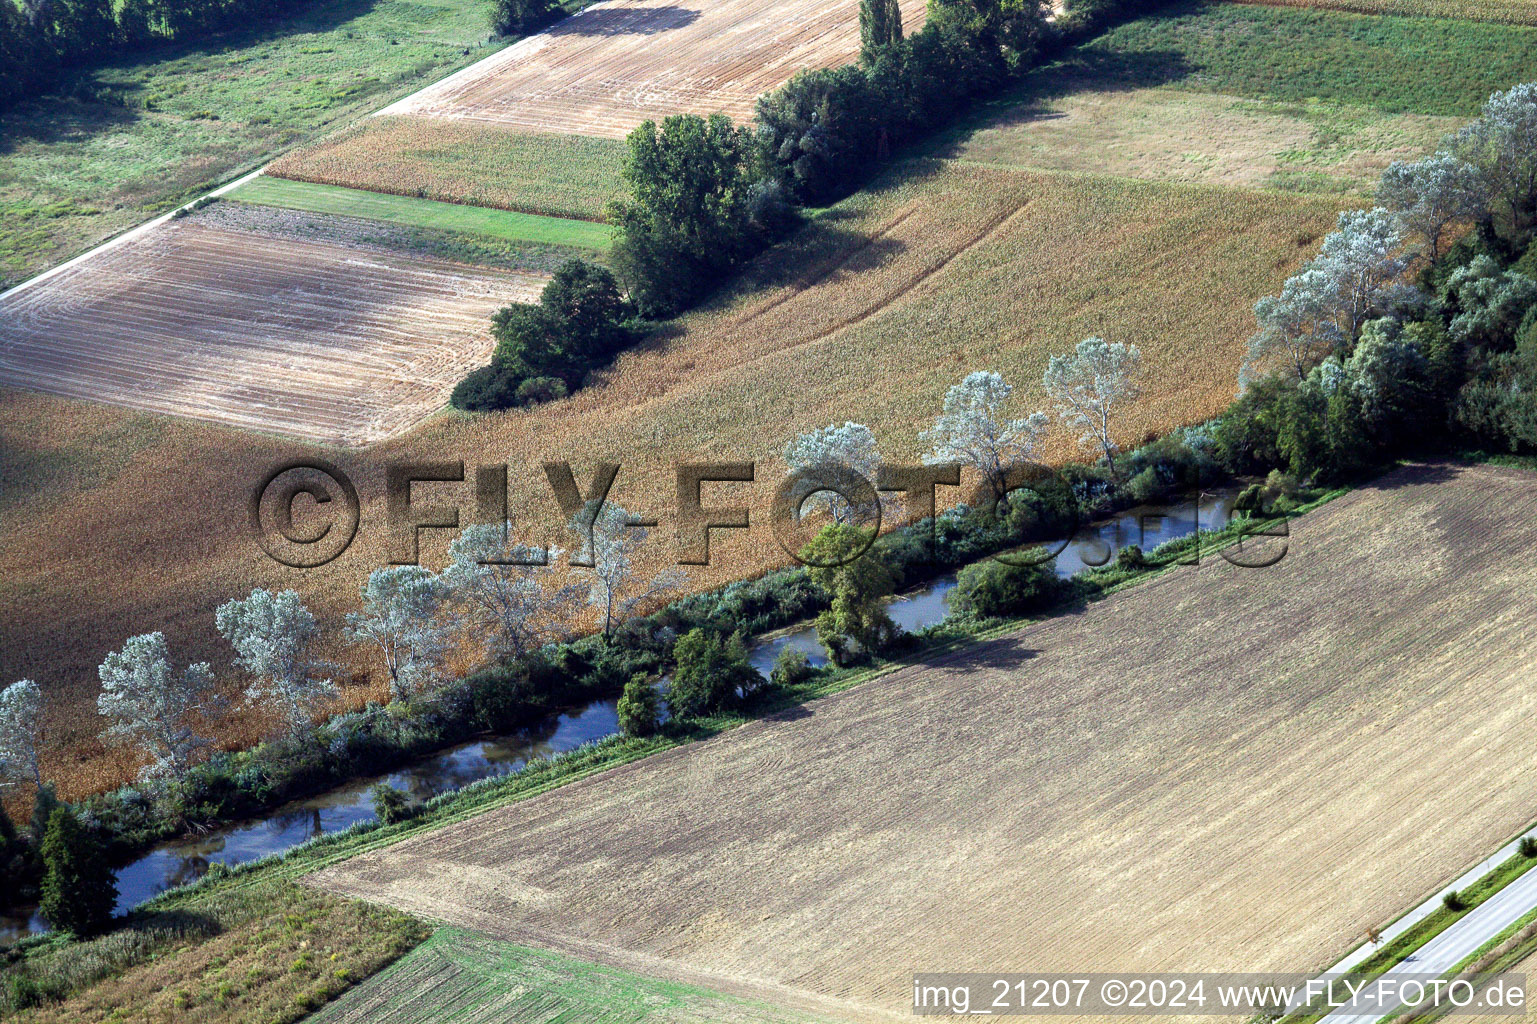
<point x="459" y="977"/>
<point x="1516" y="12"/>
<point x="467" y="162"/>
<point x="1395" y="64"/>
<point x="137" y="138"/>
<point x="503" y="225"/>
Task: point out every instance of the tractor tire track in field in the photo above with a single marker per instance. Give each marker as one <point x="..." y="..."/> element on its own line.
<point x="988" y="230"/>
<point x="892" y="295"/>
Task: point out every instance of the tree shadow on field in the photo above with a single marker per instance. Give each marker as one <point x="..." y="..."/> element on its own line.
<point x="625" y="21"/>
<point x="1416" y="475"/>
<point x="1081" y="71"/>
<point x="182" y="924"/>
<point x="56" y="120"/>
<point x="793" y="713"/>
<point x="998" y="655"/>
<point x="823" y="252"/>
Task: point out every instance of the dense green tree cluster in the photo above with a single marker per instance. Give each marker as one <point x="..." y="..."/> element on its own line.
<point x="79" y="893"/>
<point x="705" y="194"/>
<point x="640" y="707"/>
<point x="712" y="673"/>
<point x="857" y="578"/>
<point x="823" y="129"/>
<point x="880" y="26"/>
<point x="520" y="17"/>
<point x="698" y="204"/>
<point x="546" y="349"/>
<point x="1389" y="342"/>
<point x="994" y="588"/>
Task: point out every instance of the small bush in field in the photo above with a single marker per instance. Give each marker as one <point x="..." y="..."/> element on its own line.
<point x="994" y="589"/>
<point x="640" y="707"/>
<point x="791" y="667"/>
<point x="390" y="804"/>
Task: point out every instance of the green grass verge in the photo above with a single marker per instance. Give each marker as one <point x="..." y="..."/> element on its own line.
<point x="1395" y="64"/>
<point x="458" y="976"/>
<point x="503" y="225"/>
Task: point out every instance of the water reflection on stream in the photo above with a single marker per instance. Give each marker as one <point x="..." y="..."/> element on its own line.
<point x="176" y="863"/>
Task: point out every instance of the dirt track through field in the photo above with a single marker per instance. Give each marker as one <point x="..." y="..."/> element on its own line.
<point x="303" y="338"/>
<point x="1223" y="769"/>
<point x="618" y="63"/>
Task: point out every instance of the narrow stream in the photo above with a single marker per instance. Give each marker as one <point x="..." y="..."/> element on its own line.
<point x="179" y="862"/>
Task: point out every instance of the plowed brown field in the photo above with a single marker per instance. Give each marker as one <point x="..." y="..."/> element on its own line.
<point x="1224" y="769"/>
<point x="301" y="338"/>
<point x="618" y="63"/>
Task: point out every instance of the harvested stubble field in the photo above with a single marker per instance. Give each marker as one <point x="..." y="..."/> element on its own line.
<point x="869" y="314"/>
<point x="302" y="338"/>
<point x="1514" y="12"/>
<point x="1192" y="803"/>
<point x="618" y="63"/>
<point x="458" y="977"/>
<point x="466" y="162"/>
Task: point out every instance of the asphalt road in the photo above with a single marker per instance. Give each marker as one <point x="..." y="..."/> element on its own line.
<point x="1454" y="945"/>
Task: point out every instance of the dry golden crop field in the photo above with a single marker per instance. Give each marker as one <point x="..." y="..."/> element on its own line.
<point x="301" y="338"/>
<point x="618" y="63"/>
<point x="1514" y="12"/>
<point x="466" y="162"/>
<point x="869" y="314"/>
<point x="1178" y="778"/>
